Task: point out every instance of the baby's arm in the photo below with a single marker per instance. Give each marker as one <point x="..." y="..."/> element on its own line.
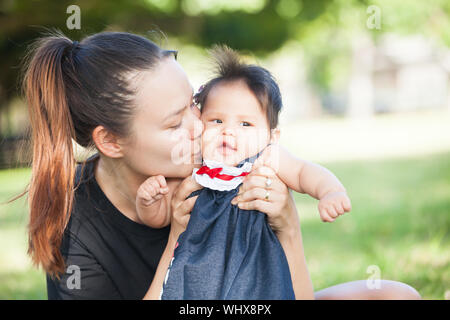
<point x="310" y="178"/>
<point x="151" y="206"/>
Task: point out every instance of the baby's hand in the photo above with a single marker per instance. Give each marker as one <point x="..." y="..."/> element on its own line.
<point x="152" y="190"/>
<point x="334" y="204"/>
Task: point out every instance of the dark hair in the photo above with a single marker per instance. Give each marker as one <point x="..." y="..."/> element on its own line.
<point x="71" y="88"/>
<point x="259" y="80"/>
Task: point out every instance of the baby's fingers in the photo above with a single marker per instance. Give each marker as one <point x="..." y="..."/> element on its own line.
<point x="347" y="204"/>
<point x="159" y="184"/>
<point x="338" y="207"/>
<point x="164" y="190"/>
<point x="161" y="180"/>
<point x="325" y="215"/>
<point x="332" y="212"/>
<point x="157" y="197"/>
<point x="147" y="190"/>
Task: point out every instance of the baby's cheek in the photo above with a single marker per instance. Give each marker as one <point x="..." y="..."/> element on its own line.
<point x="252" y="142"/>
<point x="209" y="136"/>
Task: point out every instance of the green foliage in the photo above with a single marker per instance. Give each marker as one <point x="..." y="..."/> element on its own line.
<point x="324" y="27"/>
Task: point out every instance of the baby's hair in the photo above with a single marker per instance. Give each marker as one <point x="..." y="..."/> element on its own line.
<point x="229" y="68"/>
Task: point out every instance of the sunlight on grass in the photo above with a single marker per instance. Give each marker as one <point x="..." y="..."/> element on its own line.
<point x="331" y="139"/>
<point x="18" y="279"/>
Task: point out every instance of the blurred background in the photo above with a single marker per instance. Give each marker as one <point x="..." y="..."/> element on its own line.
<point x="366" y="89"/>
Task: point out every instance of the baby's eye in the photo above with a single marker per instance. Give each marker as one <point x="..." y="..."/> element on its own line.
<point x="217" y="121"/>
<point x="245" y="124"/>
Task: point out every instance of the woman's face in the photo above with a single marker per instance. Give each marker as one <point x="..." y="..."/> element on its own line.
<point x="166" y="130"/>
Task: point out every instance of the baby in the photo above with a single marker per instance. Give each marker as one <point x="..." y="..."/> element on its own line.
<point x="239" y="110"/>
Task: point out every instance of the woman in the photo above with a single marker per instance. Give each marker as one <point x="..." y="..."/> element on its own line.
<point x="131" y="100"/>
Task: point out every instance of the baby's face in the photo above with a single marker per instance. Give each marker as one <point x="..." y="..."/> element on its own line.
<point x="235" y="126"/>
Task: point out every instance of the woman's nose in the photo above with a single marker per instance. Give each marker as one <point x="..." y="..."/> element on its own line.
<point x="196" y="128"/>
<point x="196" y="111"/>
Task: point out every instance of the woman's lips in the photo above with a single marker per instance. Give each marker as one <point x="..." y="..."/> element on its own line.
<point x="197" y="158"/>
<point x="196" y="154"/>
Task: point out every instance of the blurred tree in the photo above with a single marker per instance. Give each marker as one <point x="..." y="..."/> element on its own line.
<point x="324" y="27"/>
<point x="254" y="25"/>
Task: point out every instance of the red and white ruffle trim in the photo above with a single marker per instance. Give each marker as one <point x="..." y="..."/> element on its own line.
<point x="217" y="176"/>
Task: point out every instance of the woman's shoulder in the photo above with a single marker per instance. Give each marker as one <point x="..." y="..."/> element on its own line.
<point x="88" y="203"/>
<point x="87" y="198"/>
<point x="85" y="170"/>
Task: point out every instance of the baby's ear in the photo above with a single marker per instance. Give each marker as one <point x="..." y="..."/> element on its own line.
<point x="274" y="135"/>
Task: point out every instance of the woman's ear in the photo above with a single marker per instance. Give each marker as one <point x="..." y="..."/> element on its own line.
<point x="274" y="136"/>
<point x="107" y="143"/>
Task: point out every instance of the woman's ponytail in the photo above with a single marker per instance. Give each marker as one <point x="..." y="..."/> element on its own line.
<point x="50" y="194"/>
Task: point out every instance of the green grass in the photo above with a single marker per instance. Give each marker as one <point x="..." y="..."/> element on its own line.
<point x="399" y="222"/>
<point x="18" y="279"/>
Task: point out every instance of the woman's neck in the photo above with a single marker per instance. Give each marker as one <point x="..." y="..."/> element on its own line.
<point x="120" y="184"/>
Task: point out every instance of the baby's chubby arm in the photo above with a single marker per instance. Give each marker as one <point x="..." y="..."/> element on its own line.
<point x="151" y="206"/>
<point x="306" y="177"/>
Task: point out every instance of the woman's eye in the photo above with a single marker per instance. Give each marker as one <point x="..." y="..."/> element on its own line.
<point x="245" y="124"/>
<point x="217" y="121"/>
<point x="176" y="126"/>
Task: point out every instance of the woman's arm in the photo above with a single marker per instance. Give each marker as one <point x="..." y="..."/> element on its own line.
<point x="154" y="291"/>
<point x="310" y="178"/>
<point x="291" y="241"/>
<point x="283" y="218"/>
<point x="180" y="209"/>
<point x="301" y="175"/>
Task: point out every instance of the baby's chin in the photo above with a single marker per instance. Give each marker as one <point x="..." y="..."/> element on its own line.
<point x="228" y="160"/>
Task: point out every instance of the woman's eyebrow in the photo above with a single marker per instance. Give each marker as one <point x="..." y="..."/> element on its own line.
<point x="177" y="112"/>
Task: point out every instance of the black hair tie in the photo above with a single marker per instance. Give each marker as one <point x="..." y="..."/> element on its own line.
<point x="71" y="50"/>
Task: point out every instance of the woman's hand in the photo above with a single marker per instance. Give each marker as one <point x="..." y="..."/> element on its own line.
<point x="273" y="200"/>
<point x="282" y="217"/>
<point x="180" y="207"/>
<point x="263" y="190"/>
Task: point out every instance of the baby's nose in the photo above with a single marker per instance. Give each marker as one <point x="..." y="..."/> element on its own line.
<point x="229" y="131"/>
